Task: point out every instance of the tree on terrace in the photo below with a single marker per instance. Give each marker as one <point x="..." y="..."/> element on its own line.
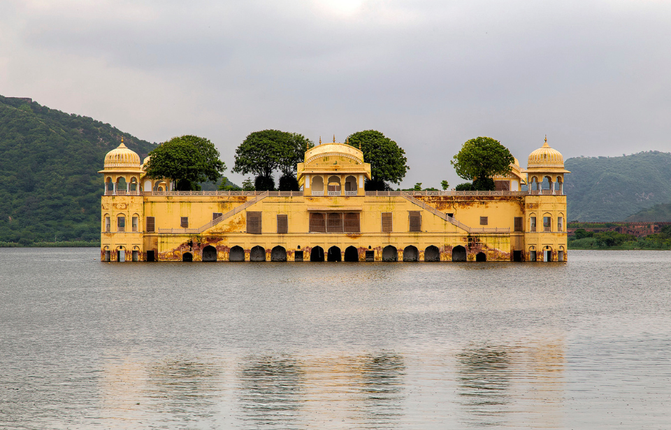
<point x="188" y="160"/>
<point x="387" y="160"/>
<point x="481" y="158"/>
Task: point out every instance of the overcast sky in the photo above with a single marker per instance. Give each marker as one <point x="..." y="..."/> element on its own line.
<point x="595" y="76"/>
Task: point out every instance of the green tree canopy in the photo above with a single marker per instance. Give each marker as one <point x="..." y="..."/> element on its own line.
<point x="387" y="160"/>
<point x="263" y="152"/>
<point x="481" y="158"/>
<point x="187" y="160"/>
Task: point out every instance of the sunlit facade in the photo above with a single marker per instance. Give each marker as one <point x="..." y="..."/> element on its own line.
<point x="333" y="218"/>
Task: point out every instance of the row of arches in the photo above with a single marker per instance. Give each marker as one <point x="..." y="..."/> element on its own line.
<point x="317" y="254"/>
<point x="334" y="184"/>
<point x="546" y="184"/>
<point x="122" y="186"/>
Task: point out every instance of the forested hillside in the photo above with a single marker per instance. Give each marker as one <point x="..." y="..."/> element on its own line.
<point x="49" y="186"/>
<point x="657" y="213"/>
<point x="613" y="188"/>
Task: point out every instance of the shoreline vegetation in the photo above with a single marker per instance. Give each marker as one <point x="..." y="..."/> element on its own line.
<point x="63" y="244"/>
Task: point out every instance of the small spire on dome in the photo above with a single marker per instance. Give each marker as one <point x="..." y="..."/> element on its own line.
<point x="122" y="145"/>
<point x="545" y="145"/>
<point x="320" y="140"/>
<point x="334" y="138"/>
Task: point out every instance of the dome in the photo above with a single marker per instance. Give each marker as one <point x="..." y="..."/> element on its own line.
<point x="122" y="158"/>
<point x="545" y="157"/>
<point x="333" y="149"/>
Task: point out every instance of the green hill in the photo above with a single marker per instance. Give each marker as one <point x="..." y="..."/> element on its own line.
<point x="49" y="186"/>
<point x="613" y="188"/>
<point x="657" y="213"/>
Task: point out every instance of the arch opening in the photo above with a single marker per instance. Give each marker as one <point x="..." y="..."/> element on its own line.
<point x="350" y="184"/>
<point x="432" y="254"/>
<point x="480" y="256"/>
<point x="317" y="254"/>
<point x="257" y="254"/>
<point x="351" y="254"/>
<point x="236" y="254"/>
<point x="187" y="257"/>
<point x="209" y="253"/>
<point x="389" y="253"/>
<point x="410" y="253"/>
<point x="278" y="254"/>
<point x="334" y="254"/>
<point x="318" y="184"/>
<point x="459" y="253"/>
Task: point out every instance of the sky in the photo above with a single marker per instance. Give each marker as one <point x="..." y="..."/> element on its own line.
<point x="594" y="76"/>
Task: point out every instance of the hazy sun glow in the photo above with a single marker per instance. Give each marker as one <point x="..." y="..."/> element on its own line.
<point x="341" y="7"/>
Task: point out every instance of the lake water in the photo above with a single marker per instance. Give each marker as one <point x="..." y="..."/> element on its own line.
<point x="90" y="345"/>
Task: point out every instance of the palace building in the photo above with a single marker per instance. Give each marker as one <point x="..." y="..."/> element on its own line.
<point x="333" y="218"/>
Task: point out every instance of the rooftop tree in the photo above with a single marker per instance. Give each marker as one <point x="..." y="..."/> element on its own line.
<point x="188" y="160"/>
<point x="480" y="159"/>
<point x="387" y="159"/>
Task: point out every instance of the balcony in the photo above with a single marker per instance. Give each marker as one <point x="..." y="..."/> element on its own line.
<point x="334" y="193"/>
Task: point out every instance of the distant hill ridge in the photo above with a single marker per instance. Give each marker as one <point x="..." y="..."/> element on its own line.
<point x="49" y="186"/>
<point x="614" y="188"/>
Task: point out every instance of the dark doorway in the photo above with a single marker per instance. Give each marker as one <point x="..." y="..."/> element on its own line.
<point x="480" y="256"/>
<point x="187" y="257"/>
<point x="257" y="254"/>
<point x="298" y="256"/>
<point x="532" y="255"/>
<point x="517" y="255"/>
<point x="560" y="255"/>
<point x="236" y="254"/>
<point x="209" y="253"/>
<point x="317" y="254"/>
<point x="410" y="253"/>
<point x="548" y="255"/>
<point x="459" y="253"/>
<point x="431" y="254"/>
<point x="136" y="256"/>
<point x="121" y="256"/>
<point x="351" y="254"/>
<point x="150" y="256"/>
<point x="389" y="253"/>
<point x="370" y="255"/>
<point x="334" y="254"/>
<point x="107" y="256"/>
<point x="278" y="254"/>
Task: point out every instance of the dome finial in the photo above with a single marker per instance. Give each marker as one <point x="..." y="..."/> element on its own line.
<point x="334" y="138"/>
<point x="546" y="142"/>
<point x="320" y="140"/>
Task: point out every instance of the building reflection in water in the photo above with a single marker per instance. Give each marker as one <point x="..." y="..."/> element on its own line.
<point x="135" y="391"/>
<point x="484" y="380"/>
<point x="271" y="391"/>
<point x="509" y="385"/>
<point x="184" y="390"/>
<point x="281" y="392"/>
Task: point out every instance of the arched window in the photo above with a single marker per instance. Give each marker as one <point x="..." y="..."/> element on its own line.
<point x="334" y="186"/>
<point x="547" y="184"/>
<point x="559" y="186"/>
<point x="134" y="222"/>
<point x="121" y="223"/>
<point x="534" y="183"/>
<point x="133" y="184"/>
<point x="318" y="186"/>
<point x="532" y="222"/>
<point x="121" y="185"/>
<point x="350" y="185"/>
<point x="547" y="222"/>
<point x="147" y="185"/>
<point x="109" y="186"/>
<point x="108" y="221"/>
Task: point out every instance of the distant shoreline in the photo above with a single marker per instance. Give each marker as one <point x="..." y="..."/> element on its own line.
<point x="73" y="244"/>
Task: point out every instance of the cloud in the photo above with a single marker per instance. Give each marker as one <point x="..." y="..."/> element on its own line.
<point x="430" y="74"/>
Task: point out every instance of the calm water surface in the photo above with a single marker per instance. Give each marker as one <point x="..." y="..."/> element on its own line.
<point x="90" y="345"/>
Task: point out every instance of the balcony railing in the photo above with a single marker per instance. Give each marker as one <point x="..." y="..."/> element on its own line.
<point x="350" y="193"/>
<point x="318" y="193"/>
<point x="122" y="193"/>
<point x="464" y="193"/>
<point x="334" y="193"/>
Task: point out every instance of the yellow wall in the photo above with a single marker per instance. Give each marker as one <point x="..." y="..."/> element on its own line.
<point x="498" y="246"/>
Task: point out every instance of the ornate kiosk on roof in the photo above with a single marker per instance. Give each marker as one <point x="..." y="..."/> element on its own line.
<point x="333" y="218"/>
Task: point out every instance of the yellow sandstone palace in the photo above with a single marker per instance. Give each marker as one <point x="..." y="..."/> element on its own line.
<point x="333" y="218"/>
